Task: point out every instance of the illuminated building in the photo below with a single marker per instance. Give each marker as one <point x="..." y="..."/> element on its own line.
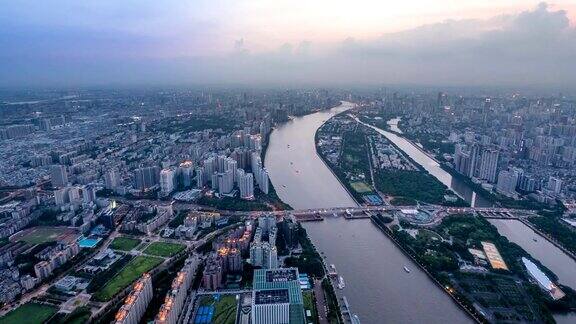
<point x="176" y="296"/>
<point x="135" y="304"/>
<point x="212" y="277"/>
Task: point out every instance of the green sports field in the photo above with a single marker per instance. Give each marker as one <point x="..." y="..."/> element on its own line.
<point x="124" y="243"/>
<point x="132" y="271"/>
<point x="29" y="313"/>
<point x="163" y="249"/>
<point x="360" y="187"/>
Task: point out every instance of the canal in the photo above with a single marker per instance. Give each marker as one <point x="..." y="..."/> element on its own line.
<point x="377" y="287"/>
<point x="432" y="166"/>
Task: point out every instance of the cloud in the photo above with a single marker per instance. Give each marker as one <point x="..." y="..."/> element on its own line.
<point x="535" y="47"/>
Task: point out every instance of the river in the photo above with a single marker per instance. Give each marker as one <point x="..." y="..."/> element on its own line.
<point x="377" y="287"/>
<point x="432" y="166"/>
<point x="549" y="255"/>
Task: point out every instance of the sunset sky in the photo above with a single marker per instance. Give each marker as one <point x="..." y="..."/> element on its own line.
<point x="286" y="41"/>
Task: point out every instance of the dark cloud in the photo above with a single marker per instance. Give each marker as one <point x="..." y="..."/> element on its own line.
<point x="536" y="47"/>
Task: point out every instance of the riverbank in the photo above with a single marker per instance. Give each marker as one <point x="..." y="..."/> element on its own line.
<point x="344" y="184"/>
<point x="409" y="184"/>
<point x="467" y="308"/>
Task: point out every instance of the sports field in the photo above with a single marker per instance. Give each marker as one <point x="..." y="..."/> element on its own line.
<point x="42" y="234"/>
<point x="163" y="249"/>
<point x="124" y="243"/>
<point x="360" y="187"/>
<point x="217" y="309"/>
<point x="132" y="271"/>
<point x="29" y="313"/>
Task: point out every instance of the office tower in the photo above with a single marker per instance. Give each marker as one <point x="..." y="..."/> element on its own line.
<point x="112" y="179"/>
<point x="135" y="304"/>
<point x="488" y="165"/>
<point x="167" y="181"/>
<point x="58" y="176"/>
<point x="277" y="297"/>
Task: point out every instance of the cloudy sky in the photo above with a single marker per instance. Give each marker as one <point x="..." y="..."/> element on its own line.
<point x="288" y="42"/>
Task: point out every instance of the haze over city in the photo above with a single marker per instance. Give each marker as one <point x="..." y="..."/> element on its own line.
<point x="449" y="43"/>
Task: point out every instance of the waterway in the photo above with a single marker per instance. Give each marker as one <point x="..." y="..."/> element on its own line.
<point x="377" y="287"/>
<point x="299" y="176"/>
<point x="432" y="166"/>
<point x="549" y="255"/>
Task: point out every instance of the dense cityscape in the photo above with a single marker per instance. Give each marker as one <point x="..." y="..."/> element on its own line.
<point x="164" y="210"/>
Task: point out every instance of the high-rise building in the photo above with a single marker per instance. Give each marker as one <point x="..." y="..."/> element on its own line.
<point x="214" y="181"/>
<point x="146" y="178"/>
<point x="277" y="297"/>
<point x="200" y="177"/>
<point x="554" y="185"/>
<point x="176" y="296"/>
<point x="135" y="304"/>
<point x="186" y="170"/>
<point x="226" y="182"/>
<point x="246" y="184"/>
<point x="88" y="194"/>
<point x="474" y="158"/>
<point x="256" y="255"/>
<point x="59" y="176"/>
<point x="212" y="277"/>
<point x="264" y="182"/>
<point x="112" y="179"/>
<point x="167" y="177"/>
<point x="488" y="165"/>
<point x="507" y="181"/>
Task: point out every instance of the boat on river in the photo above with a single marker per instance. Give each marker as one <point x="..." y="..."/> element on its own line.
<point x="341" y="283"/>
<point x="406" y="269"/>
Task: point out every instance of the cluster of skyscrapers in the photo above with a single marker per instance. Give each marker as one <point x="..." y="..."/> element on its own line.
<point x="264" y="253"/>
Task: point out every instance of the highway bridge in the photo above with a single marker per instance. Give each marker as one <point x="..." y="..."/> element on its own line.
<point x="317" y="214"/>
